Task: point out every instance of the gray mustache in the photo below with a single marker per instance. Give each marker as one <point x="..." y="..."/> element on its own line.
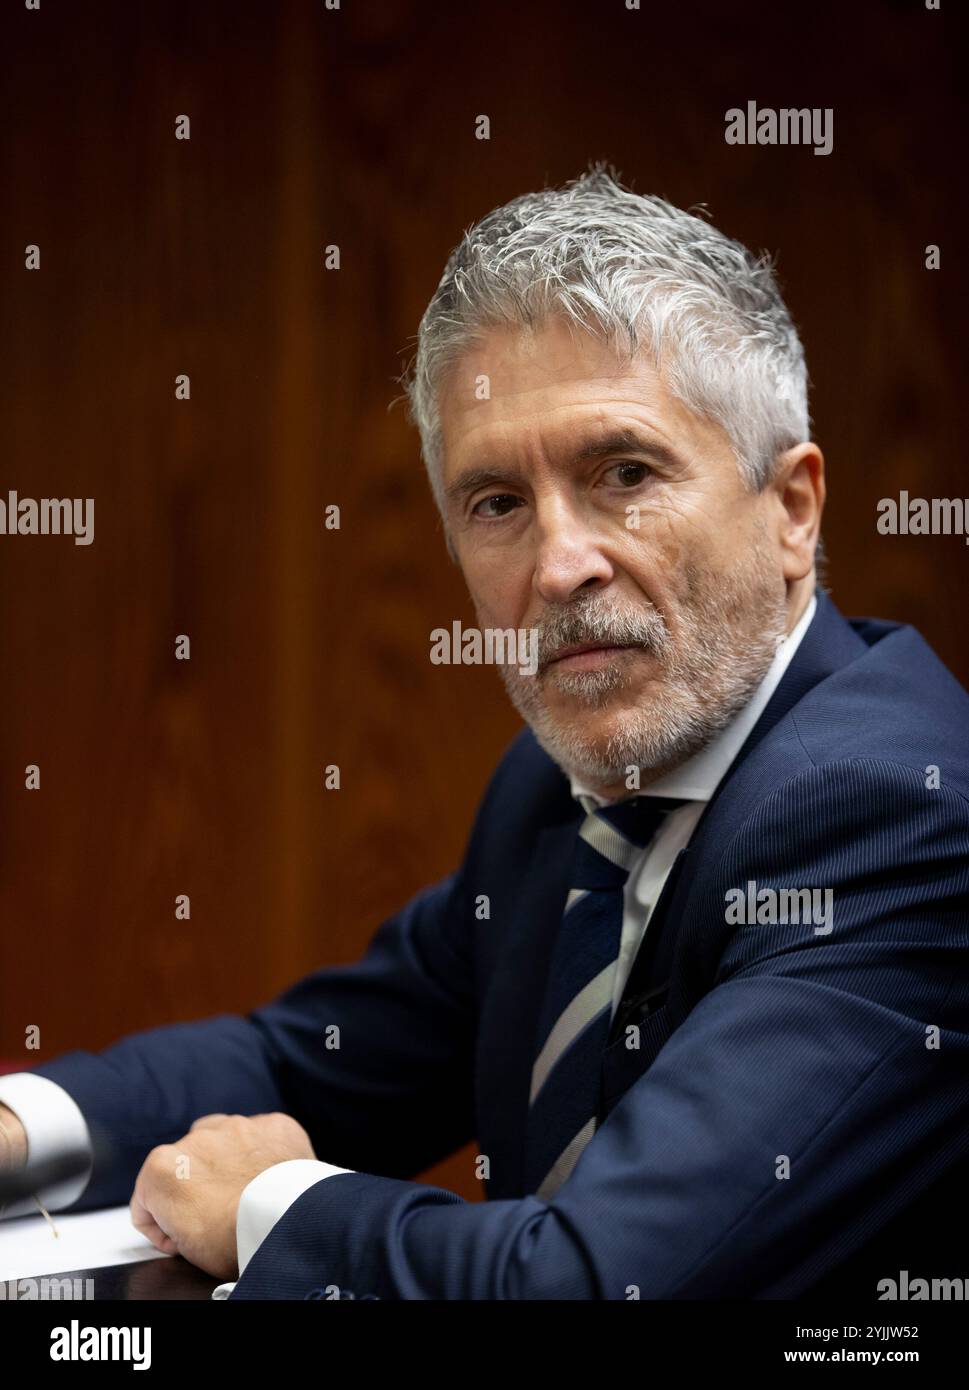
<point x="571" y="626"/>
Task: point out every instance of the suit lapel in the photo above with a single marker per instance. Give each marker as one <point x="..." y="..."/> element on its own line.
<point x="828" y="644"/>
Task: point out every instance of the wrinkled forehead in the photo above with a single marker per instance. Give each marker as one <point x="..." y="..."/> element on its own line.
<point x="557" y="390"/>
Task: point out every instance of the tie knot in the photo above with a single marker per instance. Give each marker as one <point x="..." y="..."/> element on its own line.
<point x="639" y="818"/>
<point x="612" y="836"/>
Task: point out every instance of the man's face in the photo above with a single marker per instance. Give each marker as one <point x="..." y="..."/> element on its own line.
<point x="587" y="502"/>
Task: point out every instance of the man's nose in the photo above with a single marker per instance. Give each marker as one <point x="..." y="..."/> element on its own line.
<point x="569" y="556"/>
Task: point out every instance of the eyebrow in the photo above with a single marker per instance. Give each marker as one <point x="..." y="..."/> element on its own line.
<point x="616" y="441"/>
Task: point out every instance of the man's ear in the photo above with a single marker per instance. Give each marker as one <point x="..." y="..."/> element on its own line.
<point x="798" y="485"/>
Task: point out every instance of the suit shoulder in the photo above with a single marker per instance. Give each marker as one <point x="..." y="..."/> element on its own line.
<point x="527" y="775"/>
<point x="526" y="792"/>
<point x="896" y="704"/>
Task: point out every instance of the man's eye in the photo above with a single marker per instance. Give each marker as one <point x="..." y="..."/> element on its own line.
<point x="498" y="504"/>
<point x="628" y="473"/>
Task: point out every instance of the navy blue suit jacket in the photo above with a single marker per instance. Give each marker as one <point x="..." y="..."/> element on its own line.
<point x="847" y="1053"/>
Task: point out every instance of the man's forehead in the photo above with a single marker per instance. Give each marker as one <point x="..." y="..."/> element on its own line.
<point x="517" y="361"/>
<point x="515" y="385"/>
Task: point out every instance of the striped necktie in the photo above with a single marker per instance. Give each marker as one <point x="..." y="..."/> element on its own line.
<point x="577" y="1008"/>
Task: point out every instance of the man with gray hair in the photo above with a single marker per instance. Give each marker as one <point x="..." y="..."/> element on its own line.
<point x="677" y="1090"/>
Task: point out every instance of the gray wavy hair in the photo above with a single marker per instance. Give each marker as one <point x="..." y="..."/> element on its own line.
<point x="647" y="277"/>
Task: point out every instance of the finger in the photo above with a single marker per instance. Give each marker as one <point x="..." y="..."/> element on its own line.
<point x="143" y="1221"/>
<point x="207" y="1122"/>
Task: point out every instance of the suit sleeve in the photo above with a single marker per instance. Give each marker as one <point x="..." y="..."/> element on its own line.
<point x="815" y="1090"/>
<point x="375" y="1059"/>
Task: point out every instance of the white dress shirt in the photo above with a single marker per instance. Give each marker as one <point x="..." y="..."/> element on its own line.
<point x="54" y="1125"/>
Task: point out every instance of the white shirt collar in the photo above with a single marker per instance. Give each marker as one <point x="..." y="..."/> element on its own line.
<point x="697" y="779"/>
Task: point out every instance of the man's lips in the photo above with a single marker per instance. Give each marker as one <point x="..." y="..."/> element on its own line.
<point x="586" y="656"/>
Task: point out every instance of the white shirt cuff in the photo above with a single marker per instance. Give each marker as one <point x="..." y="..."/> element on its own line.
<point x="266" y="1198"/>
<point x="55" y="1128"/>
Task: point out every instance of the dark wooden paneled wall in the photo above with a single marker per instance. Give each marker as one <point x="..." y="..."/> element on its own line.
<point x="309" y="646"/>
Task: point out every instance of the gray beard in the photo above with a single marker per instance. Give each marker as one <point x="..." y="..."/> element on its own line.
<point x="723" y="651"/>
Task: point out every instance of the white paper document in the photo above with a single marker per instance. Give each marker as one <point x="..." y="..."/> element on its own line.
<point x="85" y="1240"/>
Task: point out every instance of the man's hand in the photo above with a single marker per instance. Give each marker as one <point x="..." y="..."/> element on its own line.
<point x="187" y="1194"/>
<point x="13" y="1140"/>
